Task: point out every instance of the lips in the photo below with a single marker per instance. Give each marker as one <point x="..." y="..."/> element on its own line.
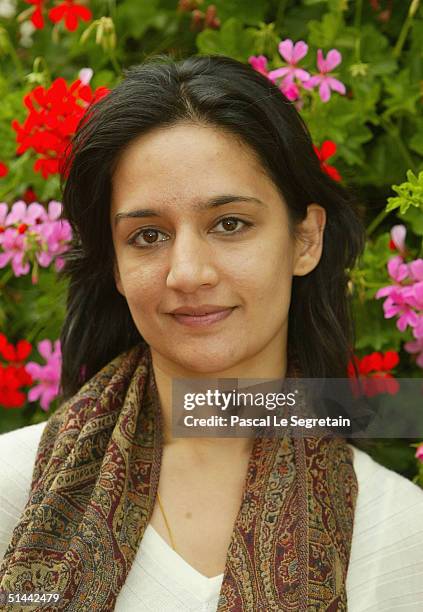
<point x="202" y="320"/>
<point x="197" y="311"/>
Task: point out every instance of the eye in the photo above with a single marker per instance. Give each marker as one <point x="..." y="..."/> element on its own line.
<point x="149" y="236"/>
<point x="230" y="223"/>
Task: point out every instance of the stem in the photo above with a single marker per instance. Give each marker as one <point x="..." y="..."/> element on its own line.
<point x="283" y="5"/>
<point x="377" y="221"/>
<point x="17" y="62"/>
<point x="358" y="13"/>
<point x="414" y="5"/>
<point x="115" y="63"/>
<point x="112" y="9"/>
<point x="6" y="277"/>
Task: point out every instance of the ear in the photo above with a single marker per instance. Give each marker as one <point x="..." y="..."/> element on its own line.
<point x="118" y="281"/>
<point x="309" y="243"/>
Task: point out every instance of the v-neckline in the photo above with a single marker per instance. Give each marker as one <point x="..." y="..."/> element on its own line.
<point x="177" y="568"/>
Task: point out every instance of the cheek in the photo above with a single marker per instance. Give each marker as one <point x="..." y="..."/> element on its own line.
<point x="140" y="286"/>
<point x="266" y="273"/>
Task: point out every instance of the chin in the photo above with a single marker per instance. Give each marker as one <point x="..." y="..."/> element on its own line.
<point x="206" y="364"/>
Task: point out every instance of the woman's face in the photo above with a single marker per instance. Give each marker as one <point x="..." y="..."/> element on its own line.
<point x="196" y="222"/>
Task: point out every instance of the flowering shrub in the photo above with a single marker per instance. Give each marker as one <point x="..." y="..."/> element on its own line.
<point x="375" y="371"/>
<point x="13" y="375"/>
<point x="54" y="114"/>
<point x="404" y="298"/>
<point x="69" y="11"/>
<point x="32" y="235"/>
<point x="47" y="376"/>
<point x="295" y="79"/>
<point x="352" y="70"/>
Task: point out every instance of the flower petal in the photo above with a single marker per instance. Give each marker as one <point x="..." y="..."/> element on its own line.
<point x="333" y="58"/>
<point x="321" y="63"/>
<point x="299" y="51"/>
<point x="398" y="234"/>
<point x="45" y="349"/>
<point x="336" y="85"/>
<point x="324" y="91"/>
<point x="17" y="213"/>
<point x="416" y="269"/>
<point x="285" y="49"/>
<point x="327" y="149"/>
<point x="279" y="72"/>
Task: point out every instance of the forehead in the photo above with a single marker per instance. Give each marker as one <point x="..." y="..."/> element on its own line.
<point x="184" y="163"/>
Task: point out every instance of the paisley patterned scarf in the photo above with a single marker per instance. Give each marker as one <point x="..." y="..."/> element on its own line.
<point x="94" y="488"/>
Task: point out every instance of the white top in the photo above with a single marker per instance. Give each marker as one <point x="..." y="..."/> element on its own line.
<point x="386" y="563"/>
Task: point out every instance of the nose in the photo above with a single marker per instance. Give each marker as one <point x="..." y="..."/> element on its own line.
<point x="192" y="263"/>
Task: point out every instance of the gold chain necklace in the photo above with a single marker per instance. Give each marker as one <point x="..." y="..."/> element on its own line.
<point x="166" y="522"/>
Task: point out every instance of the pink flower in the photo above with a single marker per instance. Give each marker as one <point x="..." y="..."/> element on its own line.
<point x="418" y="327"/>
<point x="85" y="75"/>
<point x="419" y="452"/>
<point x="415" y="346"/>
<point x="398" y="234"/>
<point x="33" y="234"/>
<point x="324" y="80"/>
<point x="397" y="269"/>
<point x="56" y="236"/>
<point x="415" y="269"/>
<point x="48" y="376"/>
<point x="13" y="245"/>
<point x="259" y="63"/>
<point x="30" y="215"/>
<point x="4" y="209"/>
<point x="397" y="304"/>
<point x="290" y="90"/>
<point x="292" y="54"/>
<point x="413" y="294"/>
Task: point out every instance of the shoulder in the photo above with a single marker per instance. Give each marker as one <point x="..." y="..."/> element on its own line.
<point x="376" y="482"/>
<point x="17" y="455"/>
<point x="386" y="565"/>
<point x="19" y="447"/>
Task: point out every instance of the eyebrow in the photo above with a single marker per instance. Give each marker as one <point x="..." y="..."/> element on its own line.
<point x="200" y="206"/>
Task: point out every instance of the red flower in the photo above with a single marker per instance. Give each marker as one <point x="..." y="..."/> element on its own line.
<point x="37" y="15"/>
<point x="13" y="376"/>
<point x="54" y="114"/>
<point x="29" y="196"/>
<point x="10" y="395"/>
<point x="70" y="12"/>
<point x="375" y="373"/>
<point x="11" y="353"/>
<point x="4" y="170"/>
<point x="327" y="149"/>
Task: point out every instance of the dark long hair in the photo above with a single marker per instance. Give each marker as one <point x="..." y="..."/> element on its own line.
<point x="222" y="92"/>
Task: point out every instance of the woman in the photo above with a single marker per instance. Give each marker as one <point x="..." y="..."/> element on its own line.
<point x="209" y="244"/>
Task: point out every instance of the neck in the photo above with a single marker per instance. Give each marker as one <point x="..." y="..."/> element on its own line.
<point x="165" y="372"/>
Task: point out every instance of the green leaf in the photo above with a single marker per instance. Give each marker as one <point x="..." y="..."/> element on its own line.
<point x="410" y="193"/>
<point x="394" y="456"/>
<point x="384" y="162"/>
<point x="324" y="33"/>
<point x="414" y="218"/>
<point x="246" y="12"/>
<point x="232" y="39"/>
<point x="403" y="94"/>
<point x="373" y="331"/>
<point x="341" y="120"/>
<point x="374" y="51"/>
<point x="133" y="17"/>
